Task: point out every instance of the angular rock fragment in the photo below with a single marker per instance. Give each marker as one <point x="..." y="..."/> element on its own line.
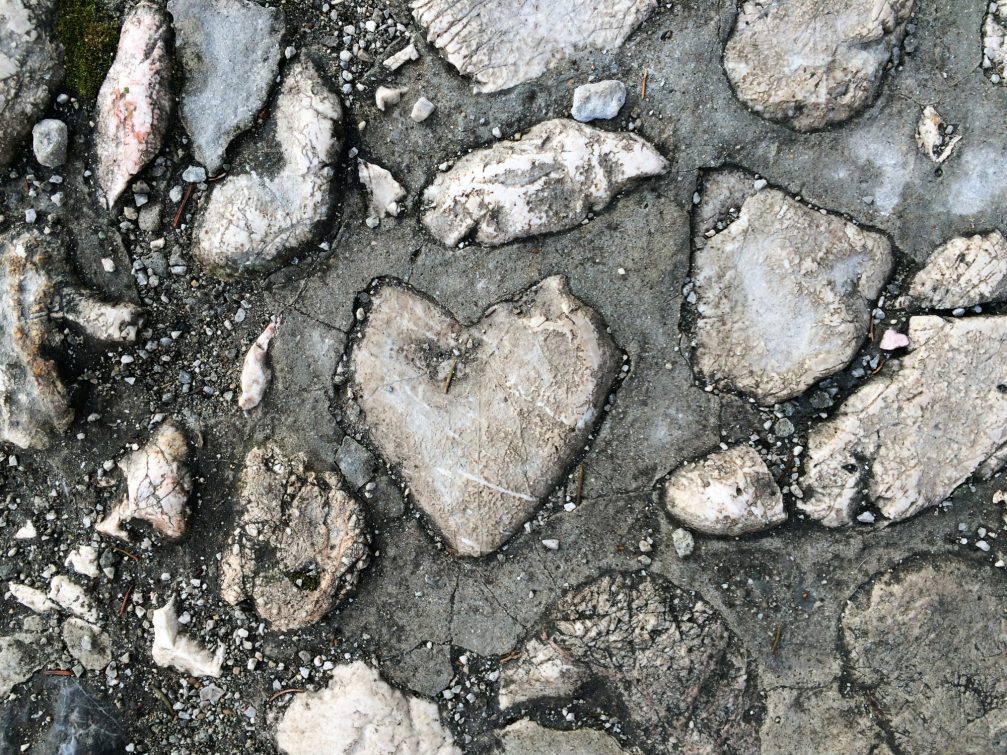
<point x="667" y="657"/>
<point x="548" y="181"/>
<point x="995" y="42"/>
<point x="482" y="421"/>
<point x="30" y="598"/>
<point x="915" y="432"/>
<point x="783" y="292"/>
<point x="385" y="191"/>
<point x="71" y="597"/>
<point x="37" y="289"/>
<point x="31" y="68"/>
<point x="84" y="560"/>
<point x="21" y="655"/>
<point x="502" y="44"/>
<point x="87" y="643"/>
<point x="255" y="372"/>
<point x="927" y="640"/>
<point x="358" y="712"/>
<point x="255" y="222"/>
<point x="230" y="51"/>
<point x="526" y="737"/>
<point x="301" y="543"/>
<point x="158" y="484"/>
<point x="726" y="493"/>
<point x="422" y="109"/>
<point x="813" y="63"/>
<point x="599" y="100"/>
<point x="135" y="100"/>
<point x="934" y="137"/>
<point x="964" y="272"/>
<point x="403" y="56"/>
<point x="179" y="651"/>
<point x="385" y="96"/>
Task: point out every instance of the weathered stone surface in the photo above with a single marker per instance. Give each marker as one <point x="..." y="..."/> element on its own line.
<point x="726" y="493"/>
<point x="36" y="289"/>
<point x="301" y="542"/>
<point x="230" y="50"/>
<point x="526" y="737"/>
<point x="549" y="181"/>
<point x="918" y="430"/>
<point x="386" y="193"/>
<point x="171" y="648"/>
<point x="71" y="597"/>
<point x="502" y="44"/>
<point x="49" y="142"/>
<point x="255" y="222"/>
<point x="783" y="292"/>
<point x="995" y="42"/>
<point x="965" y="271"/>
<point x="31" y="68"/>
<point x="135" y="100"/>
<point x="669" y="658"/>
<point x="87" y="643"/>
<point x="814" y="63"/>
<point x="599" y="100"/>
<point x="358" y="712"/>
<point x="21" y="655"/>
<point x="158" y="484"/>
<point x="797" y="716"/>
<point x="927" y="641"/>
<point x="482" y="421"/>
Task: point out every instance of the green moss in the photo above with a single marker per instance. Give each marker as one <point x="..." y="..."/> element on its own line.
<point x="89" y="36"/>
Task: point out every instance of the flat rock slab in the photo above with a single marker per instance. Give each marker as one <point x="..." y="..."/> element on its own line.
<point x="548" y="181"/>
<point x="783" y="292"/>
<point x="482" y="421"/>
<point x="725" y="493"/>
<point x="230" y="50"/>
<point x="813" y="63"/>
<point x="526" y="737"/>
<point x="927" y="640"/>
<point x="965" y="271"/>
<point x="504" y="43"/>
<point x="681" y="674"/>
<point x="919" y="429"/>
<point x="300" y="545"/>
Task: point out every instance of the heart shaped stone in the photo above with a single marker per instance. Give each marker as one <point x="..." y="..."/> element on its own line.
<point x="481" y="421"/>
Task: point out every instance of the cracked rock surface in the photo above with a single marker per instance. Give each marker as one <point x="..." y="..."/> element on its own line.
<point x="481" y="421"/>
<point x="301" y="542"/>
<point x="782" y="292"/>
<point x="815" y="63"/>
<point x="965" y="271"/>
<point x="502" y="44"/>
<point x="549" y="181"/>
<point x="906" y="439"/>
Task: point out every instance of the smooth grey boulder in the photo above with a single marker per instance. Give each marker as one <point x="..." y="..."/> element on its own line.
<point x="49" y="142"/>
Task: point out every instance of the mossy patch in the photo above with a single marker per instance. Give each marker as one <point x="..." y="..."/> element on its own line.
<point x="89" y="36"/>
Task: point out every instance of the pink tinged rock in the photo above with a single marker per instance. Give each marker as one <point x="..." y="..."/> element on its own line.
<point x="892" y="340"/>
<point x="134" y="103"/>
<point x="255" y="374"/>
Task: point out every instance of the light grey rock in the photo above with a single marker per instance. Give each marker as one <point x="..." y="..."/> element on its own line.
<point x="135" y="100"/>
<point x="503" y="44"/>
<point x="173" y="649"/>
<point x="194" y="174"/>
<point x="481" y="420"/>
<point x="906" y="439"/>
<point x="386" y="193"/>
<point x="965" y="271"/>
<point x="230" y="51"/>
<point x="255" y="222"/>
<point x="683" y="542"/>
<point x="934" y="137"/>
<point x="783" y="292"/>
<point x="357" y="713"/>
<point x="725" y="493"/>
<point x="386" y="96"/>
<point x="680" y="673"/>
<point x="526" y="737"/>
<point x="797" y="716"/>
<point x="49" y="142"/>
<point x="927" y="640"/>
<point x="71" y="597"/>
<point x="357" y="464"/>
<point x="87" y="643"/>
<point x="813" y="63"/>
<point x="31" y="68"/>
<point x="21" y="655"/>
<point x="994" y="41"/>
<point x="600" y="100"/>
<point x="37" y="290"/>
<point x="422" y="109"/>
<point x="548" y="181"/>
<point x="300" y="545"/>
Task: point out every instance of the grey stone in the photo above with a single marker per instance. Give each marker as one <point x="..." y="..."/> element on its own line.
<point x="966" y="271"/>
<point x="49" y="142"/>
<point x="599" y="100"/>
<point x="194" y="174"/>
<point x="21" y="655"/>
<point x="230" y="51"/>
<point x="526" y="737"/>
<point x="683" y="542"/>
<point x="87" y="643"/>
<point x="357" y="464"/>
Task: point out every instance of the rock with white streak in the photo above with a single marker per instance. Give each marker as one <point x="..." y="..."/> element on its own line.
<point x="358" y="713"/>
<point x="783" y="292"/>
<point x="301" y="542"/>
<point x="30" y="598"/>
<point x="726" y="493"/>
<point x="386" y="96"/>
<point x="31" y="69"/>
<point x="386" y="193"/>
<point x="525" y="737"/>
<point x="255" y="372"/>
<point x="548" y="181"/>
<point x="84" y="560"/>
<point x="135" y="100"/>
<point x="38" y="294"/>
<point x="230" y="51"/>
<point x="482" y="420"/>
<point x="87" y="643"/>
<point x="502" y="44"/>
<point x="254" y="222"/>
<point x="911" y="435"/>
<point x="71" y="597"/>
<point x="934" y="137"/>
<point x="158" y="484"/>
<point x="180" y="652"/>
<point x="813" y="63"/>
<point x="599" y="100"/>
<point x="964" y="272"/>
<point x="994" y="41"/>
